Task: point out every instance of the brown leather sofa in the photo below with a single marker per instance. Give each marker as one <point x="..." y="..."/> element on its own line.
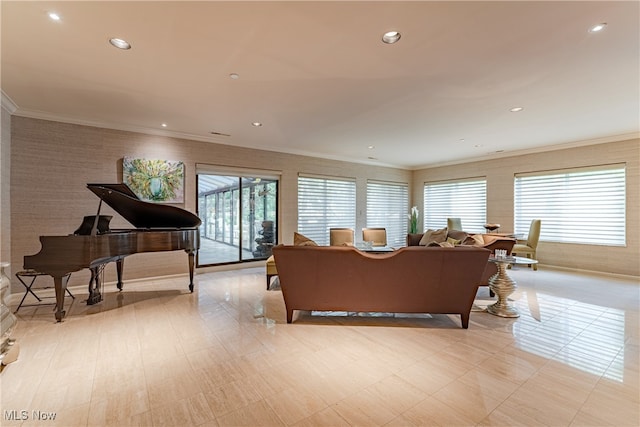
<point x="409" y="280"/>
<point x="490" y="241"/>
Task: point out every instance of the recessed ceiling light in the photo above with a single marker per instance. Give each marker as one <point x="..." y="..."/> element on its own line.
<point x="54" y="16"/>
<point x="120" y="43"/>
<point x="597" y="28"/>
<point x="164" y="125"/>
<point x="516" y="109"/>
<point x="256" y="124"/>
<point x="234" y="76"/>
<point x="371" y="147"/>
<point x="390" y="37"/>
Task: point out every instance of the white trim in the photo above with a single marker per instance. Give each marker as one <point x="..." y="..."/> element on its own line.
<point x="377" y="181"/>
<point x="123" y="127"/>
<point x="541" y="149"/>
<point x="331" y="177"/>
<point x="593" y="272"/>
<point x="34" y="114"/>
<point x="209" y="169"/>
<point x="8" y="104"/>
<point x="590" y="168"/>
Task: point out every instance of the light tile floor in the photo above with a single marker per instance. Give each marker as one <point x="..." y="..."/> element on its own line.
<point x="156" y="355"/>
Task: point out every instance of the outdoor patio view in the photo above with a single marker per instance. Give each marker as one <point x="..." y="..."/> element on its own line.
<point x="239" y="217"/>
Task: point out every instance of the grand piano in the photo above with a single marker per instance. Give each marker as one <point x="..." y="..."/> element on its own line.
<point x="94" y="244"/>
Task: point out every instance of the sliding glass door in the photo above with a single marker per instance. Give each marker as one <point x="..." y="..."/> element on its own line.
<point x="239" y="218"/>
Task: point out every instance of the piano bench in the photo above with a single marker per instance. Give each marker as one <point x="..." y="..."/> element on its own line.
<point x="271" y="270"/>
<point x="30" y="276"/>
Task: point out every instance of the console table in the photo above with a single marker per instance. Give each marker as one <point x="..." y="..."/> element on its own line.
<point x="503" y="285"/>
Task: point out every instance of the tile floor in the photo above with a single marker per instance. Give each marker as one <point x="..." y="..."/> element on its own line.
<point x="156" y="355"/>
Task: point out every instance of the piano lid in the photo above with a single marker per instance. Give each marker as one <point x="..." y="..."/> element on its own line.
<point x="143" y="214"/>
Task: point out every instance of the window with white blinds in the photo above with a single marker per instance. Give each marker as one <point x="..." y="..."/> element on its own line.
<point x="325" y="203"/>
<point x="388" y="207"/>
<point x="585" y="205"/>
<point x="465" y="199"/>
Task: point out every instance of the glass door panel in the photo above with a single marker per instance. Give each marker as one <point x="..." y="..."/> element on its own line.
<point x="239" y="216"/>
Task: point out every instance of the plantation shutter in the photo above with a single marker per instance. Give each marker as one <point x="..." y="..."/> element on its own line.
<point x="325" y="203"/>
<point x="465" y="199"/>
<point x="388" y="207"/>
<point x="585" y="205"/>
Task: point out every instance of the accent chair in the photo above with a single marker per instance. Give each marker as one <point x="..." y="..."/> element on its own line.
<point x="271" y="269"/>
<point x="377" y="235"/>
<point x="454" y="224"/>
<point x="341" y="237"/>
<point x="530" y="247"/>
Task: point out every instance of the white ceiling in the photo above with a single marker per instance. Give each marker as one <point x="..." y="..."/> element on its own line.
<point x="322" y="83"/>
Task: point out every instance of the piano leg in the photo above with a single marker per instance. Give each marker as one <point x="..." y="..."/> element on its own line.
<point x="94" y="285"/>
<point x="119" y="269"/>
<point x="192" y="256"/>
<point x="60" y="284"/>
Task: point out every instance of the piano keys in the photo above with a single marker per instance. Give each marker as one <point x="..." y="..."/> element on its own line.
<point x="158" y="228"/>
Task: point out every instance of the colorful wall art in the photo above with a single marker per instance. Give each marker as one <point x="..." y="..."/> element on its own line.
<point x="160" y="181"/>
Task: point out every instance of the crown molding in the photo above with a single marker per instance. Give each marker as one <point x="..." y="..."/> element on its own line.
<point x="42" y="115"/>
<point x="541" y="149"/>
<point x="8" y="104"/>
<point x="34" y="114"/>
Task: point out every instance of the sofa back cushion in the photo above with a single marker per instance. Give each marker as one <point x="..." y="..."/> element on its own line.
<point x="434" y="236"/>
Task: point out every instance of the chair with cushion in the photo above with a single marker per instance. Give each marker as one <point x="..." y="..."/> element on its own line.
<point x="340" y="237"/>
<point x="529" y="248"/>
<point x="271" y="270"/>
<point x="377" y="235"/>
<point x="454" y="224"/>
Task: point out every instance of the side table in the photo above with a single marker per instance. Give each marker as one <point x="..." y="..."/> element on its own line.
<point x="503" y="285"/>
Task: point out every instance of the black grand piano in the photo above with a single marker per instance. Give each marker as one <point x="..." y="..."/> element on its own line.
<point x="93" y="245"/>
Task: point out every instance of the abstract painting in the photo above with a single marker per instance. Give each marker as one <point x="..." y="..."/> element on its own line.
<point x="160" y="181"/>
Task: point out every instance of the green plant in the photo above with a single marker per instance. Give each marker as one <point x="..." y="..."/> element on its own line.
<point x="413" y="220"/>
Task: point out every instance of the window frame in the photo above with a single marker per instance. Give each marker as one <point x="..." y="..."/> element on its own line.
<point x="330" y="212"/>
<point x="596" y="216"/>
<point x="446" y="202"/>
<point x="391" y="216"/>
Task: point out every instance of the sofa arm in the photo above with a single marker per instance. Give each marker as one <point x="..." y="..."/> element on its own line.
<point x="504" y="243"/>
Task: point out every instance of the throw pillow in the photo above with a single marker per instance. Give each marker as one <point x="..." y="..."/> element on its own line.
<point x="437" y="236"/>
<point x="474" y="240"/>
<point x="457" y="235"/>
<point x="302" y="240"/>
<point x="453" y="242"/>
<point x="441" y="244"/>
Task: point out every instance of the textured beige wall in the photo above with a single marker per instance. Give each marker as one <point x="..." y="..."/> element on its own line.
<point x="52" y="162"/>
<point x="500" y="200"/>
<point x="5" y="201"/>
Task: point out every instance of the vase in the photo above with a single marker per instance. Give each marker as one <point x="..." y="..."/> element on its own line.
<point x="8" y="348"/>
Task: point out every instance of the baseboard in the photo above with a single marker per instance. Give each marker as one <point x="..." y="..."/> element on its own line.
<point x="591" y="272"/>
